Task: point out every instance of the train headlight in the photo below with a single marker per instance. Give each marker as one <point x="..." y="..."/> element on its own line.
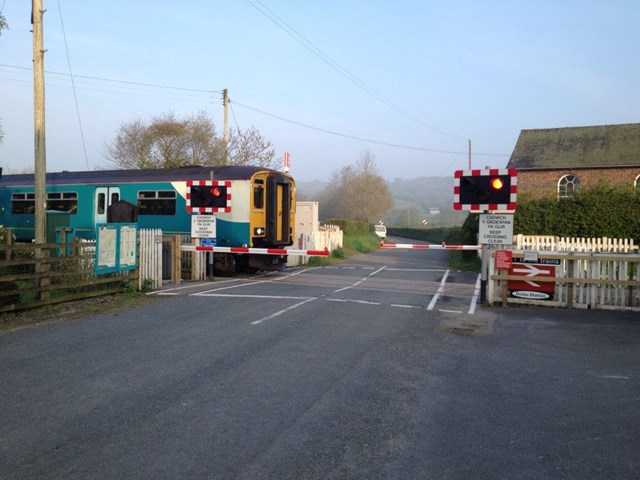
<point x="258" y="231"/>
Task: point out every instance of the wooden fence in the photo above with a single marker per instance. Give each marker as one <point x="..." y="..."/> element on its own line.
<point x="38" y="275"/>
<point x="580" y="280"/>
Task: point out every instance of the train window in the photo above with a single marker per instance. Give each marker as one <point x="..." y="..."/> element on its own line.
<point x="153" y="202"/>
<point x="115" y="196"/>
<point x="258" y="197"/>
<point x="23" y="203"/>
<point x="101" y="203"/>
<point x="63" y="201"/>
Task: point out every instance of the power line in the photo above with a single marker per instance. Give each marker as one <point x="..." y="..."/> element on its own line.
<point x="131" y="87"/>
<point x="120" y="81"/>
<point x="301" y="124"/>
<point x="298" y="37"/>
<point x="75" y="96"/>
<point x="353" y="137"/>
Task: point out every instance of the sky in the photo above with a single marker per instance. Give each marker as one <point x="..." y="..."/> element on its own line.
<point x="412" y="82"/>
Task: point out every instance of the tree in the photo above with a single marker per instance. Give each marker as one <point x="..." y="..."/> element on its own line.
<point x="249" y="147"/>
<point x="357" y="192"/>
<point x="171" y="142"/>
<point x="3" y="24"/>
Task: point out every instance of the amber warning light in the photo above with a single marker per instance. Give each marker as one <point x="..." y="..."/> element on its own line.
<point x="486" y="190"/>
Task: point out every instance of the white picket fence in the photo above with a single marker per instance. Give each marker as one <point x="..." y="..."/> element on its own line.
<point x="551" y="243"/>
<point x="591" y="272"/>
<point x="150" y="257"/>
<point x="150" y="252"/>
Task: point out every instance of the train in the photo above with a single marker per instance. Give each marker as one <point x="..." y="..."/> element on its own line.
<point x="257" y="209"/>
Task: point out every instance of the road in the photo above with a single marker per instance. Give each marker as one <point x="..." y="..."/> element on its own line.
<point x="382" y="367"/>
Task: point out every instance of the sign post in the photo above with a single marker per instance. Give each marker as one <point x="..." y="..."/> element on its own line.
<point x="494" y="229"/>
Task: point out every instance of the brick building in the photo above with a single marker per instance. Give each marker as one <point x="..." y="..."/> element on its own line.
<point x="561" y="161"/>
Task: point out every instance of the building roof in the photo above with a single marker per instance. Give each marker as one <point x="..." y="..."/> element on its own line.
<point x="578" y="147"/>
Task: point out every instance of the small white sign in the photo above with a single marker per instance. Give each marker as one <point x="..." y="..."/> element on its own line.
<point x="495" y="229"/>
<point x="203" y="226"/>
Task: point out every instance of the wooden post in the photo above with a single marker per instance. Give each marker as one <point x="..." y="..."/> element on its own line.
<point x="570" y="285"/>
<point x="176" y="271"/>
<point x="505" y="290"/>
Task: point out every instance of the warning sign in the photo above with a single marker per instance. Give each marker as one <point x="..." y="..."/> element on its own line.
<point x="496" y="229"/>
<point x="203" y="226"/>
<point x="504" y="259"/>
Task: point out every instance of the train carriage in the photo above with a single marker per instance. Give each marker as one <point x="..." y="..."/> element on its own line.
<point x="261" y="213"/>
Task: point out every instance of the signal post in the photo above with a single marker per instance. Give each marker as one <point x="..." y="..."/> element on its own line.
<point x="493" y="194"/>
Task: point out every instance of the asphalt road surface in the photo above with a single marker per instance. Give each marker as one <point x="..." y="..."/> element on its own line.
<point x="382" y="367"/>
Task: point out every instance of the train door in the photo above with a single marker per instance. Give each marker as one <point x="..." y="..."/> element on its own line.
<point x="279" y="210"/>
<point x="104" y="197"/>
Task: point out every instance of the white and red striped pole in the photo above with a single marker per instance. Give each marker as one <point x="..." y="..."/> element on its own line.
<point x="258" y="251"/>
<point x="430" y="246"/>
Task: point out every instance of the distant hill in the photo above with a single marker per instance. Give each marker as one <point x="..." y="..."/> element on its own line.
<point x="415" y="200"/>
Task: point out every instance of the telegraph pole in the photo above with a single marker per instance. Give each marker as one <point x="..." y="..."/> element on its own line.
<point x="37" y="15"/>
<point x="225" y="127"/>
<point x="469" y="154"/>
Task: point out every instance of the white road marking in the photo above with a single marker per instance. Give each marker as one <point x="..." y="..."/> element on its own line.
<point x="274" y="297"/>
<point x="305" y="299"/>
<point x="359" y="281"/>
<point x="194" y="285"/>
<point x="416" y="270"/>
<point x="284" y="310"/>
<point x="298" y="272"/>
<point x="440" y="290"/>
<point x="476" y="294"/>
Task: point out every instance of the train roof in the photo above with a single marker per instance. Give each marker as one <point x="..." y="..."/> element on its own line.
<point x="140" y="175"/>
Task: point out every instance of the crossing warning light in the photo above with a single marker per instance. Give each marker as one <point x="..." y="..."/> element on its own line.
<point x="485" y="190"/>
<point x="208" y="196"/>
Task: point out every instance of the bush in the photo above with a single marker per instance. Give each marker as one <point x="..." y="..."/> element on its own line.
<point x="351" y="227"/>
<point x="602" y="211"/>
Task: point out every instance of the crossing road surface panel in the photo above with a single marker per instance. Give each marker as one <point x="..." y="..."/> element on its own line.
<point x="423" y="288"/>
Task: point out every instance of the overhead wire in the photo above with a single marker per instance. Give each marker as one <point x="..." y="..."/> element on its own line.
<point x="126" y="82"/>
<point x="354" y="137"/>
<point x="73" y="85"/>
<point x="298" y="37"/>
<point x="122" y="87"/>
<point x="211" y="92"/>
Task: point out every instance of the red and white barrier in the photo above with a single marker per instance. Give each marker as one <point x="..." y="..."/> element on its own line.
<point x="443" y="246"/>
<point x="259" y="251"/>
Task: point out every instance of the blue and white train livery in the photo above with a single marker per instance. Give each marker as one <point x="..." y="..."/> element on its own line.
<point x="261" y="214"/>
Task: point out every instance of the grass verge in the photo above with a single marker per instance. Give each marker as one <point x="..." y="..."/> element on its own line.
<point x="72" y="310"/>
<point x="352" y="244"/>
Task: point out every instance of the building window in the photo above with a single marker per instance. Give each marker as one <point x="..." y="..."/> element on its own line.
<point x="569" y="186"/>
<point x="152" y="202"/>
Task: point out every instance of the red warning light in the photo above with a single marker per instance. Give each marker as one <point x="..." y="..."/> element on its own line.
<point x="215" y="191"/>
